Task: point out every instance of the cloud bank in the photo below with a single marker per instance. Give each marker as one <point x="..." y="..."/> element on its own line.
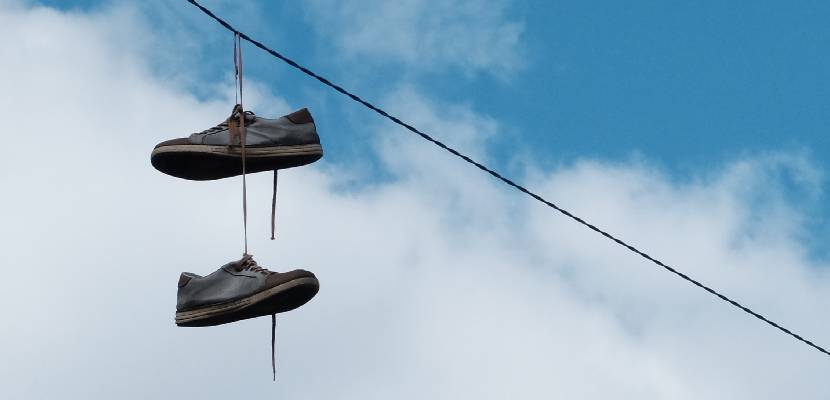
<point x="436" y="283"/>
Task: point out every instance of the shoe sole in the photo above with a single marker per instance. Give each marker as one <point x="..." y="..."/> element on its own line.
<point x="201" y="162"/>
<point x="278" y="299"/>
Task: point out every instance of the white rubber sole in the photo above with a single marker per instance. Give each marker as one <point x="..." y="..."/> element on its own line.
<point x="236" y="151"/>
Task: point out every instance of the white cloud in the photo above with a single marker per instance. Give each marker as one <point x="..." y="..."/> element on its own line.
<point x="472" y="35"/>
<point x="439" y="283"/>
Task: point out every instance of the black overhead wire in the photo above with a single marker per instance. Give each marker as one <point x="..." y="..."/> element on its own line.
<point x="506" y="180"/>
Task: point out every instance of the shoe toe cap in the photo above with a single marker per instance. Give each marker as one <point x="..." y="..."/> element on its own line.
<point x="173" y="142"/>
<point x="283" y="277"/>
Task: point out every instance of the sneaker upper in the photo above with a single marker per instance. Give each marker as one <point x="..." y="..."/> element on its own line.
<point x="232" y="281"/>
<point x="297" y="128"/>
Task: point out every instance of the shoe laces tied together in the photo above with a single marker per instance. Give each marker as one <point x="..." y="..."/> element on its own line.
<point x="236" y="127"/>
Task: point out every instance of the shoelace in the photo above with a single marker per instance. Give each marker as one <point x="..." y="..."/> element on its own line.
<point x="224" y="124"/>
<point x="237" y="131"/>
<point x="247" y="263"/>
<point x="236" y="128"/>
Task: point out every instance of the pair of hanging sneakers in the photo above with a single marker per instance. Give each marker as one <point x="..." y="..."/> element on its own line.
<point x="241" y="289"/>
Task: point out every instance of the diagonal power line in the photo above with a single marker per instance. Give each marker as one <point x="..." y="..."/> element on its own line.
<point x="506" y="180"/>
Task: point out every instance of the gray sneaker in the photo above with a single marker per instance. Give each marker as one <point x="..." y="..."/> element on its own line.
<point x="240" y="290"/>
<point x="270" y="144"/>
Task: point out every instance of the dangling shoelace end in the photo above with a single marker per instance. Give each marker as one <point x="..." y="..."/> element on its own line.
<point x="273" y="340"/>
<point x="274" y="206"/>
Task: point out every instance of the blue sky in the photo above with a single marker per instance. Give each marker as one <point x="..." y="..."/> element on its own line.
<point x="681" y="83"/>
<point x="687" y="87"/>
<point x="696" y="132"/>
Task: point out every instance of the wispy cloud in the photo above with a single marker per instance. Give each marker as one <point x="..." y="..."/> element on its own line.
<point x="437" y="283"/>
<point x="471" y="35"/>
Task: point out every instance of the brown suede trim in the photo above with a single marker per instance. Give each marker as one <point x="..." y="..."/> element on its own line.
<point x="300" y="116"/>
<point x="173" y="142"/>
<point x="183" y="280"/>
<point x="279" y="278"/>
